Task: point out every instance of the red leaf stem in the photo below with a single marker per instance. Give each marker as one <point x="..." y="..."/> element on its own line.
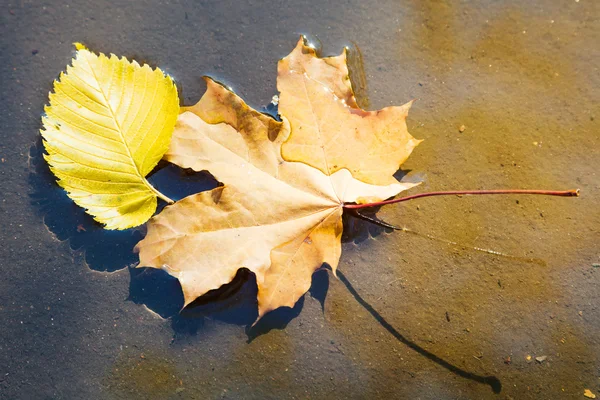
<point x="564" y="193"/>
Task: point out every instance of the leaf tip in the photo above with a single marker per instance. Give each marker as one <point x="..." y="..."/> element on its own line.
<point x="79" y="46"/>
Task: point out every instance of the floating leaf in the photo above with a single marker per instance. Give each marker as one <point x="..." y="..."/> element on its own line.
<point x="279" y="219"/>
<point x="108" y="124"/>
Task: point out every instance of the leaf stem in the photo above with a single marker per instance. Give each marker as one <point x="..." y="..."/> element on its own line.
<point x="564" y="193"/>
<point x="165" y="198"/>
<point x="159" y="194"/>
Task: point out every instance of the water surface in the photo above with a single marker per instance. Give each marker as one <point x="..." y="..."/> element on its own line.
<point x="411" y="317"/>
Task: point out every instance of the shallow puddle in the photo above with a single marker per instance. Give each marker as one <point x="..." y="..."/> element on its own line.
<point x="507" y="97"/>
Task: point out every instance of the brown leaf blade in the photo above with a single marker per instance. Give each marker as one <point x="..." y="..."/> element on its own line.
<point x="281" y="220"/>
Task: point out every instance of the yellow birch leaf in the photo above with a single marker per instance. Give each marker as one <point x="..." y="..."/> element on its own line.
<point x="281" y="220"/>
<point x="108" y="124"/>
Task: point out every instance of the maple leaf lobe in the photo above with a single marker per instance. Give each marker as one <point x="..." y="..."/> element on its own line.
<point x="328" y="129"/>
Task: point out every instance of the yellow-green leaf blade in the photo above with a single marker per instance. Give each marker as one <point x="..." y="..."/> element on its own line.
<point x="108" y="124"/>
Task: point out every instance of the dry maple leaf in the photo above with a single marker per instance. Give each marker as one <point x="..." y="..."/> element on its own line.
<point x="279" y="219"/>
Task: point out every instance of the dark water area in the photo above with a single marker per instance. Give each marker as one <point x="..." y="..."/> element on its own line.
<point x="417" y="315"/>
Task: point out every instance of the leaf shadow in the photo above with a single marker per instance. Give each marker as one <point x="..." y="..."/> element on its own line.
<point x="281" y="317"/>
<point x="102" y="250"/>
<point x="358" y="230"/>
<point x="233" y="303"/>
<point x="492" y="381"/>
